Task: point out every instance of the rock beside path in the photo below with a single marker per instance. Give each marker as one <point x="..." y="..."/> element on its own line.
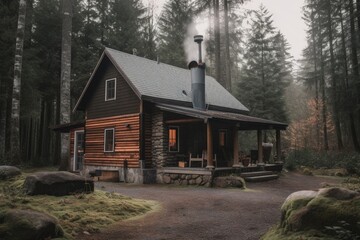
<point x="229" y="181"/>
<point x="321" y="210"/>
<point x="57" y="184"/>
<point x="7" y="172"/>
<point x="28" y="225"/>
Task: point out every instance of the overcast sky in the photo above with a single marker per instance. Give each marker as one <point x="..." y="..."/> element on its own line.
<point x="287" y="16"/>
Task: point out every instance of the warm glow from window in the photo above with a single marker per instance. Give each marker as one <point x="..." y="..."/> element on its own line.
<point x="222" y="137"/>
<point x="173" y="139"/>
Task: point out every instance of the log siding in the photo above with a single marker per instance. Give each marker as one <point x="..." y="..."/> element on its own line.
<point x="127" y="139"/>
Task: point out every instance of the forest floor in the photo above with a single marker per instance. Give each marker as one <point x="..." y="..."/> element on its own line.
<point x="208" y="213"/>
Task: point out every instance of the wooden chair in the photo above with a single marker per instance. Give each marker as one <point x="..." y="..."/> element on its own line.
<point x="195" y="158"/>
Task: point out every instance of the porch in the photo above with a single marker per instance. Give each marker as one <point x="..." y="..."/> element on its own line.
<point x="209" y="140"/>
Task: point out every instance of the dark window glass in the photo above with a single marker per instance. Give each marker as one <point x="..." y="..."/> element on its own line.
<point x="110" y="89"/>
<point x="109" y="140"/>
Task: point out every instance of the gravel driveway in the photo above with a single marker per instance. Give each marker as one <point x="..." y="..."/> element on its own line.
<point x="208" y="213"/>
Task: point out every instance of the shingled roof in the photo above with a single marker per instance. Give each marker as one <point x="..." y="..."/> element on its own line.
<point x="159" y="81"/>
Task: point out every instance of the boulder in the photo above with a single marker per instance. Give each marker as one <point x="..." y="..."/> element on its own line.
<point x="229" y="181"/>
<point x="7" y="172"/>
<point x="28" y="225"/>
<point x="327" y="208"/>
<point x="57" y="184"/>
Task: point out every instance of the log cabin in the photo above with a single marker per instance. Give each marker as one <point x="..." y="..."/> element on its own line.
<point x="146" y="121"/>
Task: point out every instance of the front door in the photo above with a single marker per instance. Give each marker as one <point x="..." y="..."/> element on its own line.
<point x="78" y="150"/>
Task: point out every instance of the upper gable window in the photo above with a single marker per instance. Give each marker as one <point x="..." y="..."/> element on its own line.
<point x="110" y="89"/>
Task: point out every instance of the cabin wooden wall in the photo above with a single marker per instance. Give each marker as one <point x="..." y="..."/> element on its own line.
<point x="126" y="101"/>
<point x="127" y="140"/>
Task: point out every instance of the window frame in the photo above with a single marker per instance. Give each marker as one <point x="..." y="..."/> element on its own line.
<point x="177" y="128"/>
<point x="113" y="143"/>
<point x="106" y="89"/>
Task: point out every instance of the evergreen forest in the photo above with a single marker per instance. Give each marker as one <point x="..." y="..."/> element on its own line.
<point x="49" y="48"/>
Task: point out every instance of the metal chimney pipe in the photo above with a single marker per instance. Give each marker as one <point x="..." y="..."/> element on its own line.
<point x="198" y="79"/>
<point x="198" y="39"/>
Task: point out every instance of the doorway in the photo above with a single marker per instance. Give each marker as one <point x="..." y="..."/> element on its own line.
<point x="78" y="150"/>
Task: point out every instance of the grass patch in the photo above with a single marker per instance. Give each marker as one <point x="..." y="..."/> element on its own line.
<point x="75" y="213"/>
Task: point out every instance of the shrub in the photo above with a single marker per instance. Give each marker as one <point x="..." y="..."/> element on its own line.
<point x="312" y="159"/>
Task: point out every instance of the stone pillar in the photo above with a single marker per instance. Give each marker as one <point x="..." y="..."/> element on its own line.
<point x="209" y="141"/>
<point x="158" y="139"/>
<point x="236" y="147"/>
<point x="278" y="145"/>
<point x="260" y="148"/>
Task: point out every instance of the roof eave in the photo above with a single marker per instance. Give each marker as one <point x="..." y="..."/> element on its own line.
<point x="88" y="83"/>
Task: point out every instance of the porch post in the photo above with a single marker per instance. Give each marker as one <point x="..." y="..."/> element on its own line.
<point x="278" y="145"/>
<point x="260" y="149"/>
<point x="236" y="148"/>
<point x="209" y="150"/>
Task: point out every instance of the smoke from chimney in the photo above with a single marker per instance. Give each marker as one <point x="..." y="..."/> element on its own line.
<point x="198" y="26"/>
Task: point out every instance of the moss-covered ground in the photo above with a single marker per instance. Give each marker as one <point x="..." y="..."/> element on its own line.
<point x="76" y="213"/>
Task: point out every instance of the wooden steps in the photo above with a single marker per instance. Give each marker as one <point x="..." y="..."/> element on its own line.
<point x="259" y="176"/>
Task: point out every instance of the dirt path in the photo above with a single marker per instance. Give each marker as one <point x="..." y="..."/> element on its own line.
<point x="207" y="213"/>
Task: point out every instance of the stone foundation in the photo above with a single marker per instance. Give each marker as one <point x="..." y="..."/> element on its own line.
<point x="130" y="175"/>
<point x="183" y="177"/>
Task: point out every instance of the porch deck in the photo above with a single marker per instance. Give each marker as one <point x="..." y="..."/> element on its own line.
<point x="223" y="171"/>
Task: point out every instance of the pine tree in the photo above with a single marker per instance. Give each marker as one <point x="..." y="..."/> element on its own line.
<point x="8" y="14"/>
<point x="173" y="23"/>
<point x="125" y="25"/>
<point x="266" y="71"/>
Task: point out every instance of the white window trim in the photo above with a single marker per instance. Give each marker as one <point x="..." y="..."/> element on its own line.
<point x="106" y="84"/>
<point x="75" y="145"/>
<point x="113" y="146"/>
<point x="177" y="138"/>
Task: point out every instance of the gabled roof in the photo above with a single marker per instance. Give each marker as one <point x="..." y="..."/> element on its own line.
<point x="159" y="81"/>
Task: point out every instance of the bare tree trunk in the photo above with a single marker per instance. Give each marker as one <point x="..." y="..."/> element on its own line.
<point x="354" y="56"/>
<point x="65" y="80"/>
<point x="323" y="99"/>
<point x="217" y="43"/>
<point x="333" y="81"/>
<point x="317" y="108"/>
<point x="346" y="84"/>
<point x="15" y="108"/>
<point x="227" y="46"/>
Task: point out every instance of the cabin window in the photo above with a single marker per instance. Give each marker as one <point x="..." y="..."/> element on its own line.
<point x="173" y="139"/>
<point x="109" y="139"/>
<point x="222" y="137"/>
<point x="110" y="89"/>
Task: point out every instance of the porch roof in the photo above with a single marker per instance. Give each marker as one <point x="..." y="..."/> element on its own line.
<point x="244" y="122"/>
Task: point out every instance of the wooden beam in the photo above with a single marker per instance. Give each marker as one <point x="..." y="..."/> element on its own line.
<point x="260" y="148"/>
<point x="278" y="145"/>
<point x="187" y="120"/>
<point x="236" y="147"/>
<point x="210" y="163"/>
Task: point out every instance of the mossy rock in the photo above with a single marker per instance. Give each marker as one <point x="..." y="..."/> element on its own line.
<point x="28" y="225"/>
<point x="57" y="184"/>
<point x="229" y="181"/>
<point x="7" y="172"/>
<point x="313" y="213"/>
